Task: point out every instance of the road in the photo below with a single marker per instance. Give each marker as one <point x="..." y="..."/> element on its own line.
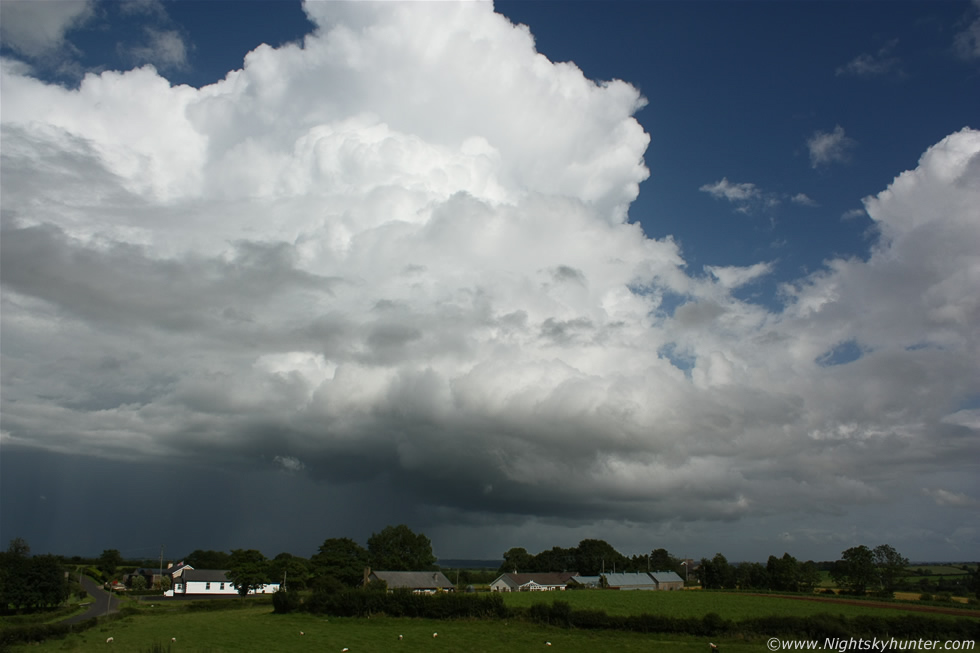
<point x="105" y="603"/>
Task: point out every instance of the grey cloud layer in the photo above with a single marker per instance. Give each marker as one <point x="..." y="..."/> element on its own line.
<point x="400" y="251"/>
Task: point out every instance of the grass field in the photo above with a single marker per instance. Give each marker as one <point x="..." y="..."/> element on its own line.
<point x="256" y="629"/>
<point x="686" y="604"/>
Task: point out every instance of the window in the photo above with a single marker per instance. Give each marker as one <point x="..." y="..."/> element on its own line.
<point x="222" y="586"/>
<point x="207" y="585"/>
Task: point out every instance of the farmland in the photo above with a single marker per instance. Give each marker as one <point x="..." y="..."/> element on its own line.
<point x="728" y="605"/>
<point x="254" y="627"/>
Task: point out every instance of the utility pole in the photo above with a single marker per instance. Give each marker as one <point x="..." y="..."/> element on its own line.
<point x="161" y="567"/>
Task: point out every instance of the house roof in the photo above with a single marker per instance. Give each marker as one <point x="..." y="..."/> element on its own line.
<point x="587" y="580"/>
<point x="666" y="577"/>
<point x="629" y="580"/>
<point x="540" y="578"/>
<point x="205" y="575"/>
<point x="170" y="571"/>
<point x="413" y="579"/>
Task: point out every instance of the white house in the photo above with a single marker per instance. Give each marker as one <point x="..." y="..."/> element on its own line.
<point x="534" y="582"/>
<point x="210" y="582"/>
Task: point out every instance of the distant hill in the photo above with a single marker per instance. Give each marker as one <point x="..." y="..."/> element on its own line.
<point x="469" y="564"/>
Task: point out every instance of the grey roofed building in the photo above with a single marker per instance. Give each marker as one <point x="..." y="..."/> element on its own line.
<point x="417" y="581"/>
<point x="212" y="575"/>
<point x="586" y="581"/>
<point x="667" y="580"/>
<point x="629" y="581"/>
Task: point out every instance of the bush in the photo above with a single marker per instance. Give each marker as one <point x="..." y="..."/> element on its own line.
<point x="284" y="602"/>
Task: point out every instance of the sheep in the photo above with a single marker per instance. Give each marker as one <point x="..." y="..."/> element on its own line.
<point x="109" y="641"/>
<point x="399" y="637"/>
<point x="173" y="639"/>
<point x="434" y="635"/>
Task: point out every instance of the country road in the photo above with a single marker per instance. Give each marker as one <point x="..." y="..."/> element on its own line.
<point x="105" y="603"/>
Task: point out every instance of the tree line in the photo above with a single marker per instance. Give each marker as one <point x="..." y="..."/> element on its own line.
<point x="38" y="581"/>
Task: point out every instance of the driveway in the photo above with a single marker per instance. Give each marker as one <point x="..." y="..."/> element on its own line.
<point x="104" y="602"/>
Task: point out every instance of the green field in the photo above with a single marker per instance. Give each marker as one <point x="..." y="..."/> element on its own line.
<point x="256" y="629"/>
<point x="728" y="605"/>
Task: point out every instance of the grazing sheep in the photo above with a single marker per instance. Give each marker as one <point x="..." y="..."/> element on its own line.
<point x="344" y="650"/>
<point x="399" y="637"/>
<point x="301" y="632"/>
<point x="109" y="641"/>
<point x="435" y="635"/>
<point x="547" y="643"/>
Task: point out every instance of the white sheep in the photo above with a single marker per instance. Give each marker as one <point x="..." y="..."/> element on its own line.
<point x="434" y="635"/>
<point x="109" y="641"/>
<point x="173" y="639"/>
<point x="399" y="637"/>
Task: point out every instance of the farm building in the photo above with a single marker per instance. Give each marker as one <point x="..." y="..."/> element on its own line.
<point x="420" y="582"/>
<point x="652" y="580"/>
<point x="209" y="582"/>
<point x="535" y="582"/>
<point x="629" y="581"/>
<point x="667" y="580"/>
<point x="586" y="581"/>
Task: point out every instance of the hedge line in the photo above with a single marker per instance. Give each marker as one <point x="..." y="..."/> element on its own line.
<point x="402" y="603"/>
<point x="40" y="632"/>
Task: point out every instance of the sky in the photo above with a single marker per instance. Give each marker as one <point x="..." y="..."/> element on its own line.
<point x="699" y="276"/>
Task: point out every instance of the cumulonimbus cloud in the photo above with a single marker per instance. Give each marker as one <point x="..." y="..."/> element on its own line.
<point x="402" y="246"/>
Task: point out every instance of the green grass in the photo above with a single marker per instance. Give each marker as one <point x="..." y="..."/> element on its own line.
<point x="729" y="605"/>
<point x="256" y="629"/>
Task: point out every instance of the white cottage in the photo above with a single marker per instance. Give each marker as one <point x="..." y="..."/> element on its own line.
<point x="210" y="582"/>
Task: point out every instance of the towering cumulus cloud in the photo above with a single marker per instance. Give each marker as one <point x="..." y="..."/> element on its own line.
<point x="400" y="251"/>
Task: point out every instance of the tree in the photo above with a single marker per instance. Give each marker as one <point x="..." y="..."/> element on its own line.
<point x="294" y="569"/>
<point x="19" y="547"/>
<point x="809" y="576"/>
<point x="751" y="575"/>
<point x="716" y="573"/>
<point x="661" y="560"/>
<point x="397" y="548"/>
<point x="30" y="582"/>
<point x="138" y="583"/>
<point x="516" y="560"/>
<point x="207" y="559"/>
<point x="594" y="556"/>
<point x="248" y="570"/>
<point x="890" y="565"/>
<point x="341" y="558"/>
<point x="109" y="561"/>
<point x="554" y="559"/>
<point x="784" y="573"/>
<point x="855" y="571"/>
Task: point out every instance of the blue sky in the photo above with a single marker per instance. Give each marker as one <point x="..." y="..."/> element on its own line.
<point x="395" y="239"/>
